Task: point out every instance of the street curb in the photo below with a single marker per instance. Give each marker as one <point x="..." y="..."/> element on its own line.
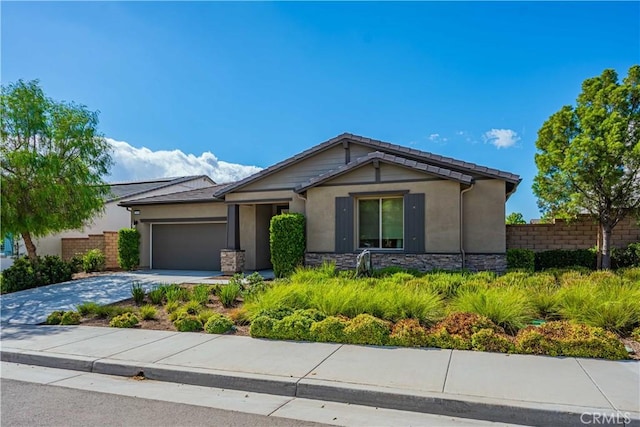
<point x="356" y="394"/>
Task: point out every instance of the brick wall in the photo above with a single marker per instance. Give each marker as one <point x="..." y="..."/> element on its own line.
<point x="581" y="234"/>
<point x="107" y="242"/>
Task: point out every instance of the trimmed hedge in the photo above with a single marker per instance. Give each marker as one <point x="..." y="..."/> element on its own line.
<point x="128" y="248"/>
<point x="561" y="258"/>
<point x="521" y="259"/>
<point x="626" y="257"/>
<point x="287" y="243"/>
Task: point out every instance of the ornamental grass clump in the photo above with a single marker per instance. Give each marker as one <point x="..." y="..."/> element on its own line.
<point x="156" y="295"/>
<point x="229" y="293"/>
<point x="200" y="294"/>
<point x="148" y="312"/>
<point x="506" y="306"/>
<point x="614" y="306"/>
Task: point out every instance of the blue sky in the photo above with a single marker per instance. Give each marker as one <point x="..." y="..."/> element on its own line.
<point x="232" y="85"/>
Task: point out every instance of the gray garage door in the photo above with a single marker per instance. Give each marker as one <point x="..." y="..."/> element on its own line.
<point x="187" y="246"/>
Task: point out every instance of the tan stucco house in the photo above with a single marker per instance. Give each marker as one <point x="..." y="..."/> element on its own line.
<point x="408" y="207"/>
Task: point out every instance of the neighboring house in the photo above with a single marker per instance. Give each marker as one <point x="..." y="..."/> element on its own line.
<point x="409" y="208"/>
<point x="116" y="217"/>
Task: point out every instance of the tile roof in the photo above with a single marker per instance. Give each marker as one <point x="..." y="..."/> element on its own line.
<point x="199" y="195"/>
<point x="390" y="159"/>
<point x="409" y="153"/>
<point x="121" y="190"/>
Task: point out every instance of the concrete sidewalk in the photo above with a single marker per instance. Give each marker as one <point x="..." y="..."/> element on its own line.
<point x="521" y="389"/>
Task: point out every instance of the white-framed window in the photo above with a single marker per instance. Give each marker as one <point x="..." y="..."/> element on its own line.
<point x="381" y="222"/>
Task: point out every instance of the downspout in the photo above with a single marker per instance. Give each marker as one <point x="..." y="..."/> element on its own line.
<point x="462" y="223"/>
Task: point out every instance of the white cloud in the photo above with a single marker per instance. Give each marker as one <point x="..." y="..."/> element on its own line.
<point x="501" y="138"/>
<point x="131" y="163"/>
<point x="434" y="136"/>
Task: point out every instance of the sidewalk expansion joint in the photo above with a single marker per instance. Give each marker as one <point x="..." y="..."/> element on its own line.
<point x="187" y="348"/>
<point x="446" y="374"/>
<point x="281" y="406"/>
<point x="316" y="367"/>
<point x="595" y="384"/>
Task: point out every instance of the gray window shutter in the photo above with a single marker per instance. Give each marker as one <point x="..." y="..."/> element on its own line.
<point x="344" y="224"/>
<point x="414" y="223"/>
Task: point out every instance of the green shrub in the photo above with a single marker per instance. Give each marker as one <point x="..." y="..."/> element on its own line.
<point x="156" y="295"/>
<point x="330" y="329"/>
<point x="93" y="260"/>
<point x="126" y="320"/>
<point x="522" y="259"/>
<point x="636" y="334"/>
<point x="277" y="312"/>
<point x="570" y="339"/>
<point x="111" y="311"/>
<point x="137" y="293"/>
<point x="297" y="326"/>
<point x="55" y="318"/>
<point x="287" y="242"/>
<point x="200" y="294"/>
<point x="366" y="329"/>
<point x="262" y="327"/>
<point x="506" y="307"/>
<point x="27" y="274"/>
<point x="229" y="293"/>
<point x="626" y="257"/>
<point x="409" y="333"/>
<point x="76" y="264"/>
<point x="218" y="324"/>
<point x="560" y="258"/>
<point x="70" y="318"/>
<point x="490" y="340"/>
<point x="455" y="331"/>
<point x="187" y="323"/>
<point x="88" y="308"/>
<point x="128" y="248"/>
<point x="52" y="269"/>
<point x="148" y="312"/>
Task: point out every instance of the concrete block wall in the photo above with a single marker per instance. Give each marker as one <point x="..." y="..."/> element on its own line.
<point x="581" y="234"/>
<point x="107" y="242"/>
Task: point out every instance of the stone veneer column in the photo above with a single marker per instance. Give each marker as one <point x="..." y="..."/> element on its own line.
<point x="231" y="261"/>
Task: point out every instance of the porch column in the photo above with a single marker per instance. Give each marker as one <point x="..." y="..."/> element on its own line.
<point x="233" y="227"/>
<point x="232" y="258"/>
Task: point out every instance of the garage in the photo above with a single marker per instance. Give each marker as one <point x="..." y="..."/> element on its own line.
<point x="187" y="246"/>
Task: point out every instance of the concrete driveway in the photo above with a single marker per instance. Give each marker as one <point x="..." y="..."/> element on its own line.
<point x="32" y="306"/>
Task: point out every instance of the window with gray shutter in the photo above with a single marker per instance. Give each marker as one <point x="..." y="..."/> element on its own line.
<point x="414" y="213"/>
<point x="344" y="224"/>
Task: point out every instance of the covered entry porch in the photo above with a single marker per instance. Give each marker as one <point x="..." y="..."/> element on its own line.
<point x="247" y="245"/>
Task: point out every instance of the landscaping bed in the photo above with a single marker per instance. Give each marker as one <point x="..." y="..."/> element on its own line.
<point x="559" y="313"/>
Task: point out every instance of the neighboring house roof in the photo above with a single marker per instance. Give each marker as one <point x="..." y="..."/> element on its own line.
<point x="389" y="159"/>
<point x="408" y="153"/>
<point x="200" y="195"/>
<point x="121" y="190"/>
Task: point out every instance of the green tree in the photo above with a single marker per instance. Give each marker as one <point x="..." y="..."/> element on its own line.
<point x="515" y="218"/>
<point x="589" y="155"/>
<point x="52" y="162"/>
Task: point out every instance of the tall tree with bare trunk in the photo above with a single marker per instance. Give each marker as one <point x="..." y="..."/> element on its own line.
<point x="52" y="161"/>
<point x="589" y="155"/>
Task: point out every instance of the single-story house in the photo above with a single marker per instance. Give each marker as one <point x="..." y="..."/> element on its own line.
<point x="115" y="217"/>
<point x="408" y="207"/>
